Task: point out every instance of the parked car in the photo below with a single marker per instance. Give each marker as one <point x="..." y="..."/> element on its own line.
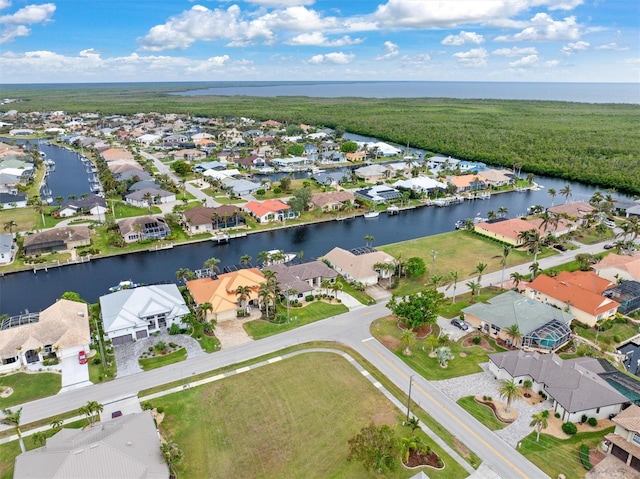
<point x="458" y="323"/>
<point x="116" y="414"/>
<point x="560" y="247"/>
<point x="608" y="246"/>
<point x="82" y="357"/>
<point x="610" y="223"/>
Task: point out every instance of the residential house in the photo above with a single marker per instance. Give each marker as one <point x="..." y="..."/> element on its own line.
<point x="496" y="178"/>
<point x="624" y="441"/>
<point x="57" y="239"/>
<point x="302" y="279"/>
<point x="294" y="162"/>
<point x="209" y="165"/>
<point x="627" y="293"/>
<point x="616" y="267"/>
<point x="507" y="231"/>
<point x="270" y="210"/>
<point x="465" y="183"/>
<point x="113" y="154"/>
<point x="142" y="228"/>
<point x="577" y="211"/>
<point x="361" y="265"/>
<point x="356" y="156"/>
<point x="331" y="178"/>
<point x="141" y="198"/>
<point x="128" y="446"/>
<point x="189" y="155"/>
<point x="175" y="140"/>
<point x="202" y="219"/>
<point x="133" y="174"/>
<point x="251" y="161"/>
<point x="241" y="187"/>
<point x="574" y="386"/>
<point x="147" y="139"/>
<point x="6" y="248"/>
<point x="543" y="327"/>
<point x="13" y="200"/>
<point x="378" y="194"/>
<point x="333" y="200"/>
<point x="92" y="205"/>
<point x="373" y="173"/>
<point x="437" y="163"/>
<point x="135" y="313"/>
<point x="579" y="292"/>
<point x="421" y="184"/>
<point x="60" y="331"/>
<point x="379" y="148"/>
<point x="220" y="292"/>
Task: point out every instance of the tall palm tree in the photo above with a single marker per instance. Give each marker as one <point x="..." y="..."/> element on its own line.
<point x="414" y="424"/>
<point x="474" y="286"/>
<point x="243" y="293"/>
<point x="454" y="281"/>
<point x="502" y="211"/>
<point x="517" y="278"/>
<point x="212" y="264"/>
<point x="335" y="288"/>
<point x="509" y="390"/>
<point x="245" y="259"/>
<point x="9" y="225"/>
<point x="185" y="274"/>
<point x="514" y="332"/>
<point x="263" y="257"/>
<point x="531" y="240"/>
<point x="553" y="193"/>
<point x="540" y="422"/>
<point x="12" y="419"/>
<point x="369" y="239"/>
<point x="566" y="192"/>
<point x="506" y="249"/>
<point x="480" y="267"/>
<point x="265" y="296"/>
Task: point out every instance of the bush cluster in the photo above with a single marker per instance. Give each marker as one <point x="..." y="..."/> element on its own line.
<point x="569" y="428"/>
<point x="584" y="457"/>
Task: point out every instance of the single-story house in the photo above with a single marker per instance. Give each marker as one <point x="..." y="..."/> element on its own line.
<point x="203" y="219"/>
<point x="132" y="174"/>
<point x="330" y="177"/>
<point x="270" y="210"/>
<point x="142" y="197"/>
<point x="142" y="228"/>
<point x="209" y="165"/>
<point x="292" y="162"/>
<point x="465" y="183"/>
<point x="189" y="155"/>
<point x="437" y="163"/>
<point x="220" y="292"/>
<point x="360" y="265"/>
<point x="378" y="194"/>
<point x="576" y="210"/>
<point x="57" y="239"/>
<point x="573" y="385"/>
<point x="333" y="200"/>
<point x="128" y="446"/>
<point x="304" y="279"/>
<point x="421" y="184"/>
<point x="92" y="205"/>
<point x="134" y="313"/>
<point x="615" y="266"/>
<point x="496" y="178"/>
<point x="60" y="331"/>
<point x="373" y="173"/>
<point x="507" y="231"/>
<point x="6" y="248"/>
<point x="627" y="293"/>
<point x="543" y="327"/>
<point x="114" y="154"/>
<point x="624" y="441"/>
<point x="13" y="200"/>
<point x="241" y="187"/>
<point x="580" y="292"/>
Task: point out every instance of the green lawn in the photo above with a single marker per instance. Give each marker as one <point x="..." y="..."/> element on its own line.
<point x="618" y="333"/>
<point x="315" y="311"/>
<point x="482" y="413"/>
<point x="289" y="419"/>
<point x="208" y="343"/>
<point x="452" y="310"/>
<point x="560" y="456"/>
<point x="29" y="387"/>
<point x="160" y="361"/>
<point x="386" y="331"/>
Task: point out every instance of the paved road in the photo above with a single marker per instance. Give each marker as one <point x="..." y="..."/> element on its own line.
<point x="351" y="329"/>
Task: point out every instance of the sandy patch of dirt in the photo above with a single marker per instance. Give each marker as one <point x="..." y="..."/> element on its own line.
<point x="384" y="417"/>
<point x="484" y="344"/>
<point x="555" y="426"/>
<point x="390" y="342"/>
<point x="5" y="391"/>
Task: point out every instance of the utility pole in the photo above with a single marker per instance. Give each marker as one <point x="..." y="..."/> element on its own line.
<point x="409" y="399"/>
<point x="434" y="253"/>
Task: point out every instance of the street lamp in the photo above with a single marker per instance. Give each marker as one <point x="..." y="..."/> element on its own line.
<point x="409" y="399"/>
<point x="434" y="253"/>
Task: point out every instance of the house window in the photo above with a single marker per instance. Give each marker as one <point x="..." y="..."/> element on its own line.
<point x="636" y="438"/>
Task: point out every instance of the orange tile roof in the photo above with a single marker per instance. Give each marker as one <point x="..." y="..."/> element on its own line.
<point x="261" y="208"/>
<point x="462" y="180"/>
<point x="566" y="289"/>
<point x="220" y="292"/>
<point x="510" y="228"/>
<point x="631" y="264"/>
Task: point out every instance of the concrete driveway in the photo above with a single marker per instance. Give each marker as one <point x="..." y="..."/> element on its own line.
<point x="453" y="332"/>
<point x="74" y="374"/>
<point x="126" y="405"/>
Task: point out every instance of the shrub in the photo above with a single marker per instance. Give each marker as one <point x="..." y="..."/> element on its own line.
<point x="150" y="348"/>
<point x="174" y="329"/>
<point x="583" y="419"/>
<point x="584" y="457"/>
<point x="477" y="339"/>
<point x="160" y="409"/>
<point x="617" y="338"/>
<point x="277" y="190"/>
<point x="593" y="422"/>
<point x="96" y="359"/>
<point x="173" y="345"/>
<point x="261" y="192"/>
<point x="309" y="298"/>
<point x="557" y="415"/>
<point x="569" y="428"/>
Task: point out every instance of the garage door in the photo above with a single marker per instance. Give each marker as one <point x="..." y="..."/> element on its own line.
<point x="122" y="340"/>
<point x="619" y="453"/>
<point x="141" y="334"/>
<point x="635" y="463"/>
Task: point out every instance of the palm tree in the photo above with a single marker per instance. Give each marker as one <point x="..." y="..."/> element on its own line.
<point x="38" y="438"/>
<point x="185" y="274"/>
<point x="412" y="443"/>
<point x="243" y="293"/>
<point x="95" y="408"/>
<point x="413" y="423"/>
<point x="480" y="267"/>
<point x="9" y="225"/>
<point x="552" y="192"/>
<point x="369" y="239"/>
<point x="540" y="422"/>
<point x="454" y="281"/>
<point x="509" y="390"/>
<point x="12" y="419"/>
<point x="56" y="425"/>
<point x="263" y="257"/>
<point x="265" y="296"/>
<point x="335" y="288"/>
<point x="444" y="355"/>
<point x="535" y="269"/>
<point x="566" y="192"/>
<point x="407" y="341"/>
<point x="531" y="240"/>
<point x="517" y="278"/>
<point x="506" y="249"/>
<point x="202" y="310"/>
<point x="245" y="259"/>
<point x="502" y="211"/>
<point x="474" y="286"/>
<point x="514" y="332"/>
<point x="173" y="455"/>
<point x="212" y="264"/>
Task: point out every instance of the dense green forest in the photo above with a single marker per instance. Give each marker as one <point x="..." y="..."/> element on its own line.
<point x="594" y="143"/>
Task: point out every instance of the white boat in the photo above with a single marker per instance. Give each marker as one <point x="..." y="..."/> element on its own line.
<point x="371" y="214"/>
<point x="127" y="284"/>
<point x="393" y="210"/>
<point x="277" y="256"/>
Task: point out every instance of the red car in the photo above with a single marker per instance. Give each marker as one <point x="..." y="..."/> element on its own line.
<point x="82" y="357"/>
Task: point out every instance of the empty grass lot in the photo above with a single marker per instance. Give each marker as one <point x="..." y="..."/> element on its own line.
<point x="560" y="456"/>
<point x="29" y="387"/>
<point x="289" y="419"/>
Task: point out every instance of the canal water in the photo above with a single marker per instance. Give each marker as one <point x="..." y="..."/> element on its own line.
<point x="69" y="177"/>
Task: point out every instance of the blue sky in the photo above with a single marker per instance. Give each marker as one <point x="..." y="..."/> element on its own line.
<point x="261" y="40"/>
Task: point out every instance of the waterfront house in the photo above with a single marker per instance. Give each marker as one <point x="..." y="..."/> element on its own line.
<point x="624" y="441"/>
<point x="577" y="211"/>
<point x="203" y="219"/>
<point x="251" y="161"/>
<point x="616" y="267"/>
<point x="378" y="194"/>
<point x="56" y="239"/>
<point x="6" y="248"/>
<point x="579" y="292"/>
<point x="114" y="154"/>
<point x="128" y="446"/>
<point x="496" y="178"/>
<point x="437" y="163"/>
<point x="330" y="178"/>
<point x="464" y="183"/>
<point x="141" y="198"/>
<point x="543" y="327"/>
<point x="507" y="231"/>
<point x="142" y="228"/>
<point x="361" y="265"/>
<point x="241" y="187"/>
<point x="135" y="313"/>
<point x="300" y="280"/>
<point x="220" y="292"/>
<point x="11" y="200"/>
<point x="373" y="173"/>
<point x="421" y="184"/>
<point x="270" y="210"/>
<point x="92" y="205"/>
<point x="333" y="200"/>
<point x="574" y="386"/>
<point x="60" y="331"/>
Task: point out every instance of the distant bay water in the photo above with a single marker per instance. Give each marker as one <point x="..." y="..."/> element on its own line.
<point x="569" y="92"/>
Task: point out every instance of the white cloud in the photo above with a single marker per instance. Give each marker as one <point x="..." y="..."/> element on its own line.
<point x="544" y="27"/>
<point x="337" y="58"/>
<point x="631" y="61"/>
<point x="30" y="14"/>
<point x="514" y="52"/>
<point x="280" y="3"/>
<point x="571" y="48"/>
<point x="9" y="34"/>
<point x="612" y="46"/>
<point x="475" y="58"/>
<point x="5" y="4"/>
<point x="391" y="50"/>
<point x="551" y="63"/>
<point x="209" y="64"/>
<point x="528" y="61"/>
<point x="298" y="18"/>
<point x="200" y="23"/>
<point x="463" y="38"/>
<point x="319" y="39"/>
<point x="415" y="61"/>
